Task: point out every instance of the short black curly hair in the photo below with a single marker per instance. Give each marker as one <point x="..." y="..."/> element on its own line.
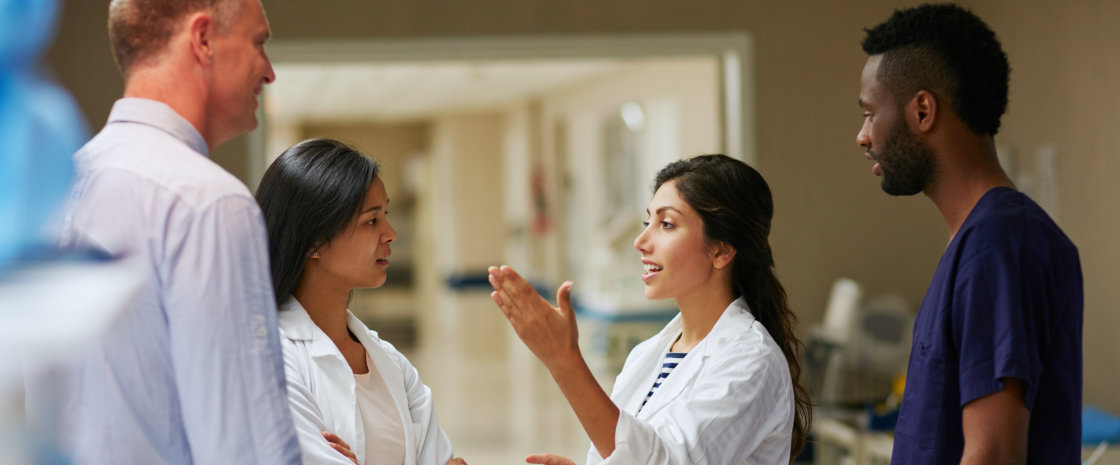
<point x="949" y="51"/>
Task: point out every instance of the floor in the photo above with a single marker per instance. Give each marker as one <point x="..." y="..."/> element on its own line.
<point x="494" y="399"/>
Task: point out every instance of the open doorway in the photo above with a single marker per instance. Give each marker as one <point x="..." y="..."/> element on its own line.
<point x="536" y="152"/>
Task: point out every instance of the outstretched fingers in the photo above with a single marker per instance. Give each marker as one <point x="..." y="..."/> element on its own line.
<point x="519" y="285"/>
<point x="339" y="445"/>
<point x="498" y="296"/>
<point x="525" y="296"/>
<point x="512" y="292"/>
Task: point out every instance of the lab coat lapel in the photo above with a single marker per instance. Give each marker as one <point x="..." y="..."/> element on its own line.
<point x="334" y="378"/>
<point x="645" y="367"/>
<point x="689" y="368"/>
<point x="394" y="381"/>
<point x="672" y="386"/>
<point x="341" y="385"/>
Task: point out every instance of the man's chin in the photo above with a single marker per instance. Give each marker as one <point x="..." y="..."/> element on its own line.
<point x="899" y="191"/>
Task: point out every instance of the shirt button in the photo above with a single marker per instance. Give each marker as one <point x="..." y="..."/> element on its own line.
<point x="261" y="332"/>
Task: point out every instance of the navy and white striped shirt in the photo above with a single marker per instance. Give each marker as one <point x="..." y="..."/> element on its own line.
<point x="672" y="359"/>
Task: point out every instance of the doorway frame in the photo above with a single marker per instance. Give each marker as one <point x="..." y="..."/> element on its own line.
<point x="734" y="50"/>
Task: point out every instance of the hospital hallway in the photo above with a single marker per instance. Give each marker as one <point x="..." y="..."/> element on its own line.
<point x="543" y="165"/>
<point x="528" y="134"/>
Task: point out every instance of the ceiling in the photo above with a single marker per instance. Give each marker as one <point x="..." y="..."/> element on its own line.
<point x="353" y="92"/>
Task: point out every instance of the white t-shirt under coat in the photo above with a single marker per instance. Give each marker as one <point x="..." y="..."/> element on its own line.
<point x="384" y="431"/>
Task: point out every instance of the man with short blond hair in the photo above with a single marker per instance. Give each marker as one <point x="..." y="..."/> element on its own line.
<point x="192" y="372"/>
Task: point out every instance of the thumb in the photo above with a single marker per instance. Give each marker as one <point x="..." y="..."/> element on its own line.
<point x="564" y="298"/>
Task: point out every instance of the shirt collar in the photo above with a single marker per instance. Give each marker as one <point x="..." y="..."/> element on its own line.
<point x="297" y="324"/>
<point x="735" y="318"/>
<point x="295" y="321"/>
<point x="160" y="116"/>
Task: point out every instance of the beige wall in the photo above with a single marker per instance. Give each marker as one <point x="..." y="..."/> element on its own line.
<point x="832" y="220"/>
<point x="391" y="145"/>
<point x="1065" y="93"/>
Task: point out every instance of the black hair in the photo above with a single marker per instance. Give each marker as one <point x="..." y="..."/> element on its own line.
<point x="736" y="207"/>
<point x="308" y="196"/>
<point x="948" y="51"/>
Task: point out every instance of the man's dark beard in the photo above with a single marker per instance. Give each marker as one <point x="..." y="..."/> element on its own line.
<point x="909" y="167"/>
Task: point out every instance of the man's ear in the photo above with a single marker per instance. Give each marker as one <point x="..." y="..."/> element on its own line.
<point x="722" y="255"/>
<point x="923" y="108"/>
<point x="201" y="30"/>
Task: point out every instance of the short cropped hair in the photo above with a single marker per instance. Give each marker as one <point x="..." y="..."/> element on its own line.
<point x="140" y="29"/>
<point x="948" y="51"/>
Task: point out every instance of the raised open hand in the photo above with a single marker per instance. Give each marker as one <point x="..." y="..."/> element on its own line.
<point x="549" y="332"/>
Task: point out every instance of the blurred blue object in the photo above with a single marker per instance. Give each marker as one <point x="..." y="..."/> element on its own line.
<point x="881" y="419"/>
<point x="1099" y="426"/>
<point x="40" y="129"/>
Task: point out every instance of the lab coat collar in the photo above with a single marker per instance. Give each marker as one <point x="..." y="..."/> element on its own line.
<point x="295" y="321"/>
<point x="297" y="325"/>
<point x="736" y="318"/>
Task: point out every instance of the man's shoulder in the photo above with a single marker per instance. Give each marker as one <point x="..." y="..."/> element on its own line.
<point x="1009" y="219"/>
<point x="147" y="158"/>
<point x="1015" y="239"/>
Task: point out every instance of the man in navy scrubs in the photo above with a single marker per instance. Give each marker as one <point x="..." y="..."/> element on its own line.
<point x="995" y="369"/>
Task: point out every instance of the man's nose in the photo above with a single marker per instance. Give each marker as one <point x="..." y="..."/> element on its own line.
<point x="862" y="138"/>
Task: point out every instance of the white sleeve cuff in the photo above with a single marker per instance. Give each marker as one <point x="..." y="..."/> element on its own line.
<point x="633" y="441"/>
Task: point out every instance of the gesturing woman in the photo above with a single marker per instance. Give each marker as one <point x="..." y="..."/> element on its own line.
<point x="720" y="383"/>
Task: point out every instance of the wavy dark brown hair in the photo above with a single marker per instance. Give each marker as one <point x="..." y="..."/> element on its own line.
<point x="736" y="206"/>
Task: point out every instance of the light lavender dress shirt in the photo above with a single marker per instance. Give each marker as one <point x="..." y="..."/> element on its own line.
<point x="192" y="372"/>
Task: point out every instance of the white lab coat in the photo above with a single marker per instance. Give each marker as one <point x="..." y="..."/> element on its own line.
<point x="729" y="402"/>
<point x="321" y="392"/>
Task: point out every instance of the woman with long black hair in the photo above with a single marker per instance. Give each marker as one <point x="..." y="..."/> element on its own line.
<point x="720" y="384"/>
<point x="354" y="397"/>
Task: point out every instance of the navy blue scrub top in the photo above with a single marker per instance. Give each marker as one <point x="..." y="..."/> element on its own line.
<point x="1006" y="301"/>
